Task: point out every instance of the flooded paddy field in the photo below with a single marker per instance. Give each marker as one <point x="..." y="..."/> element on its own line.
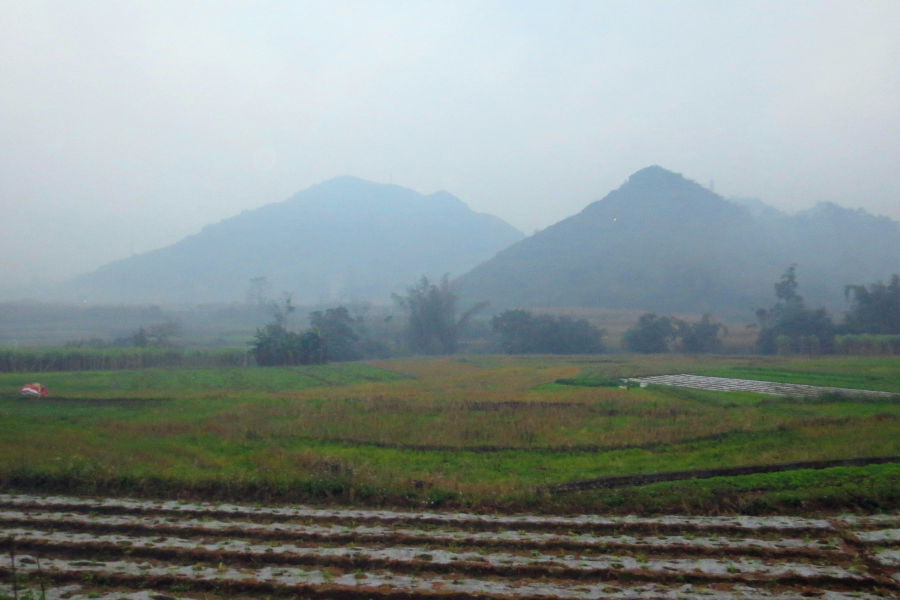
<point x="68" y="547"/>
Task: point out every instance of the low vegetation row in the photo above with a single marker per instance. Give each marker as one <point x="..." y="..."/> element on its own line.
<point x="790" y="327"/>
<point x="871" y="326"/>
<point x="434" y="326"/>
<point x="110" y="359"/>
<point x="867" y="344"/>
<point x="433" y="329"/>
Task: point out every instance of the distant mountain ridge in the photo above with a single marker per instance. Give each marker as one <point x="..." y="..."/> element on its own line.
<point x="660" y="242"/>
<point x="664" y="243"/>
<point x="345" y="239"/>
<point x="758" y="208"/>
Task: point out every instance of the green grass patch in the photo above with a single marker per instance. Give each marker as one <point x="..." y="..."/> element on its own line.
<point x="177" y="382"/>
<point x="865" y="373"/>
<point x="874" y="488"/>
<point x="480" y="433"/>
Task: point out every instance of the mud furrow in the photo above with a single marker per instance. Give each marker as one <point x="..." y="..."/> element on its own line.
<point x="83" y="592"/>
<point x="878" y="536"/>
<point x="117" y="505"/>
<point x="368" y="535"/>
<point x="414" y="559"/>
<point x="329" y="584"/>
<point x="118" y="546"/>
<point x="611" y="592"/>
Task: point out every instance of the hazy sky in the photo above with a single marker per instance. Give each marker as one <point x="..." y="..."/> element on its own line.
<point x="125" y="126"/>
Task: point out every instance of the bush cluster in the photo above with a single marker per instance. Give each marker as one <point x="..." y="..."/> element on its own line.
<point x="654" y="334"/>
<point x="521" y="332"/>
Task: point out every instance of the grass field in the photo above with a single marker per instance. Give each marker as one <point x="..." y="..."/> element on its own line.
<point x="481" y="432"/>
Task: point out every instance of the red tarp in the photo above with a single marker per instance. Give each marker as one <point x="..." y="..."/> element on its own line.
<point x="33" y="389"/>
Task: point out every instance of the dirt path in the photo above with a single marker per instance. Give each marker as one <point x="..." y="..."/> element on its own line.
<point x="723" y="384"/>
<point x="145" y="550"/>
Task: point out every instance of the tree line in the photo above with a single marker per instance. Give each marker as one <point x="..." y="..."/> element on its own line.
<point x="334" y="335"/>
<point x="789" y="326"/>
<point x="655" y="334"/>
<point x="435" y="326"/>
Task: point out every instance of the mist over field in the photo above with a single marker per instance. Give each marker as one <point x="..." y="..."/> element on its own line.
<point x="233" y="154"/>
<point x="383" y="298"/>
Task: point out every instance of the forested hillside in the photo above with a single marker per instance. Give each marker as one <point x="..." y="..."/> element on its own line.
<point x="664" y="243"/>
<point x="343" y="240"/>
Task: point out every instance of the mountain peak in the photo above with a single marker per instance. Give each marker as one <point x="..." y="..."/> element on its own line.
<point x="345" y="183"/>
<point x="656" y="180"/>
<point x="655" y="174"/>
<point x="665" y="243"/>
<point x="655" y="194"/>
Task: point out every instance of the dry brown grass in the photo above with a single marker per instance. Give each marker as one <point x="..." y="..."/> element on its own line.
<point x="453" y="404"/>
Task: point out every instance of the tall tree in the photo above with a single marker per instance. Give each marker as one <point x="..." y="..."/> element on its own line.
<point x="433" y="326"/>
<point x="274" y="345"/>
<point x="701" y="337"/>
<point x="786" y="288"/>
<point x="650" y="335"/>
<point x="338" y="329"/>
<point x="789" y="326"/>
<point x="874" y="309"/>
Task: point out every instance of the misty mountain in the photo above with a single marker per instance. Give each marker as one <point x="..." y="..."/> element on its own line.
<point x="344" y="239"/>
<point x="664" y="243"/>
<point x="758" y="208"/>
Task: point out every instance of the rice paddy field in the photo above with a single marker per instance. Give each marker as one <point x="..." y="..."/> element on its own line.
<point x="472" y="432"/>
<point x="446" y="478"/>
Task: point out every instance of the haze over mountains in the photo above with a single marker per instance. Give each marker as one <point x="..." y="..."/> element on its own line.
<point x="660" y="242"/>
<point x="343" y="240"/>
<point x="664" y="243"/>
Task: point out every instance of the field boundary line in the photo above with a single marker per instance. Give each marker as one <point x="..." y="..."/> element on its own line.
<point x="592" y="448"/>
<point x="647" y="478"/>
